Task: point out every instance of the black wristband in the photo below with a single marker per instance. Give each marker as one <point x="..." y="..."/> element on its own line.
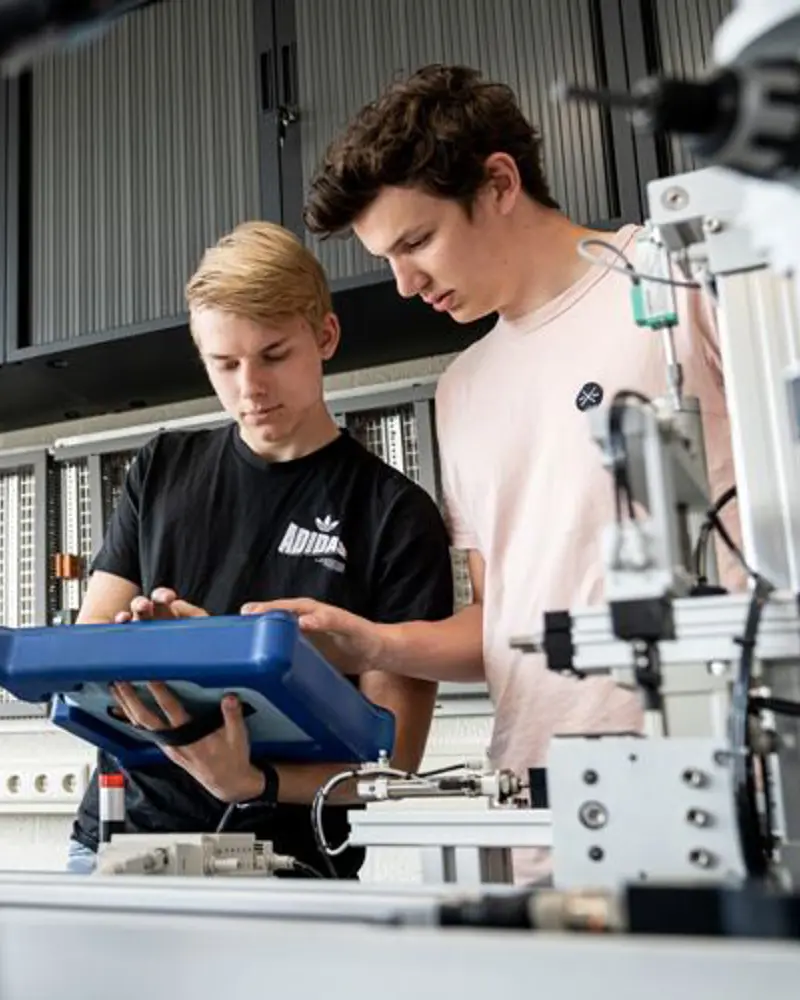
<point x="269" y="796"/>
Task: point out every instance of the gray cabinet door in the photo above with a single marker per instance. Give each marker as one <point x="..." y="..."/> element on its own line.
<point x="349" y="50"/>
<point x="142" y="150"/>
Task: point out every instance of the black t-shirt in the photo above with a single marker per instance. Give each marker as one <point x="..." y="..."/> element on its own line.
<point x="204" y="515"/>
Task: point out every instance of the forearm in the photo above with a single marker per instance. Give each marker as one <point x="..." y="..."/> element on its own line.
<point x="449" y="650"/>
<point x="299" y="783"/>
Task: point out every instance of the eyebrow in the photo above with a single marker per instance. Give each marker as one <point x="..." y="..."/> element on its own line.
<point x="274" y="346"/>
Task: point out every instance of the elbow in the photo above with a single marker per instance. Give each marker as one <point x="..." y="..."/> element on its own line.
<point x="413" y="728"/>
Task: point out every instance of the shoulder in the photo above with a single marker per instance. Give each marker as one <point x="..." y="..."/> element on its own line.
<point x="392" y="490"/>
<point x="464" y="366"/>
<point x="175" y="444"/>
<point x="173" y="452"/>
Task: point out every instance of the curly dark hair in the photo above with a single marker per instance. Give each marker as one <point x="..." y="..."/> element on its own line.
<point x="434" y="131"/>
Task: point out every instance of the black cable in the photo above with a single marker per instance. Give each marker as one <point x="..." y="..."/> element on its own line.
<point x="733" y="548"/>
<point x="754" y="839"/>
<point x="755" y="832"/>
<point x="441" y="770"/>
<point x="701" y="548"/>
<point x="780" y="706"/>
<point x="619" y="451"/>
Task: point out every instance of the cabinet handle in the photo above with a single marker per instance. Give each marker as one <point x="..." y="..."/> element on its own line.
<point x="289" y="79"/>
<point x="267" y="72"/>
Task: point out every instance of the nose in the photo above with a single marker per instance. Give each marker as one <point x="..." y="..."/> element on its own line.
<point x="251" y="379"/>
<point x="409" y="279"/>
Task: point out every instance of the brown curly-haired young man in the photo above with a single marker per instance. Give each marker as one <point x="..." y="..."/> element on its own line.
<point x="441" y="177"/>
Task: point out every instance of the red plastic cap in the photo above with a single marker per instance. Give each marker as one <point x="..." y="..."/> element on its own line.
<point x="112" y="781"/>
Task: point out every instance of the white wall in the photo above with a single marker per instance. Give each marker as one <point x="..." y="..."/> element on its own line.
<point x="35" y="820"/>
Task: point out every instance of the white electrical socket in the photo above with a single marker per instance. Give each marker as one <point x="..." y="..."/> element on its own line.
<point x="27" y="784"/>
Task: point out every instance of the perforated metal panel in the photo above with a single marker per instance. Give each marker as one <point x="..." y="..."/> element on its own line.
<point x="349" y="50"/>
<point x="461" y="581"/>
<point x="17" y="550"/>
<point x="684" y="30"/>
<point x="391" y="434"/>
<point x="76" y="526"/>
<point x="144" y="152"/>
<point x="17" y="554"/>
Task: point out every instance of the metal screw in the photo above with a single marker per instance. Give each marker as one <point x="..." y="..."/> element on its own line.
<point x="698" y="817"/>
<point x="695" y="778"/>
<point x="717" y="668"/>
<point x="702" y="858"/>
<point x="593" y="815"/>
<point x="596" y="853"/>
<point x="590" y="777"/>
<point x="675" y="198"/>
<point x="712" y="225"/>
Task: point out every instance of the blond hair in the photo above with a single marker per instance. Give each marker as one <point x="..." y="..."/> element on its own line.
<point x="262" y="272"/>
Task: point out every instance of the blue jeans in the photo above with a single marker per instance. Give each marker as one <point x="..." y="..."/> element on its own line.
<point x="80" y="859"/>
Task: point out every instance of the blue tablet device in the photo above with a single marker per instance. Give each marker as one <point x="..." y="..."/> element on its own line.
<point x="297" y="706"/>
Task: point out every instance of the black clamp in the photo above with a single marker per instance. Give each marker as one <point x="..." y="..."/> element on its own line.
<point x="647" y="619"/>
<point x="557" y="643"/>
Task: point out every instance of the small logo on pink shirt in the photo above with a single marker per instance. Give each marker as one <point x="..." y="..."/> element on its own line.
<point x="590" y="395"/>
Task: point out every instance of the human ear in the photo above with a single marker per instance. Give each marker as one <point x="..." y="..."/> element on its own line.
<point x="328" y="336"/>
<point x="503" y="183"/>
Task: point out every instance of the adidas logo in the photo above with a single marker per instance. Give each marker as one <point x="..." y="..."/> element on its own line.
<point x="326" y="524"/>
<point x="322" y="544"/>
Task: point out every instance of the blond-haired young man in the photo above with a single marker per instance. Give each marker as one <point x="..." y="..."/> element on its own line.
<point x="228" y="516"/>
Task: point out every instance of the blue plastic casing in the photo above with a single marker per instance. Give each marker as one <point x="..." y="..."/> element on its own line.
<point x="303" y="709"/>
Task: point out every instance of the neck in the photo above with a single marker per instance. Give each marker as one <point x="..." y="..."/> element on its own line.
<point x="543" y="259"/>
<point x="317" y="429"/>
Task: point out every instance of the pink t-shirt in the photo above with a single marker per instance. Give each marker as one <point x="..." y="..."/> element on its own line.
<point x="525" y="486"/>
